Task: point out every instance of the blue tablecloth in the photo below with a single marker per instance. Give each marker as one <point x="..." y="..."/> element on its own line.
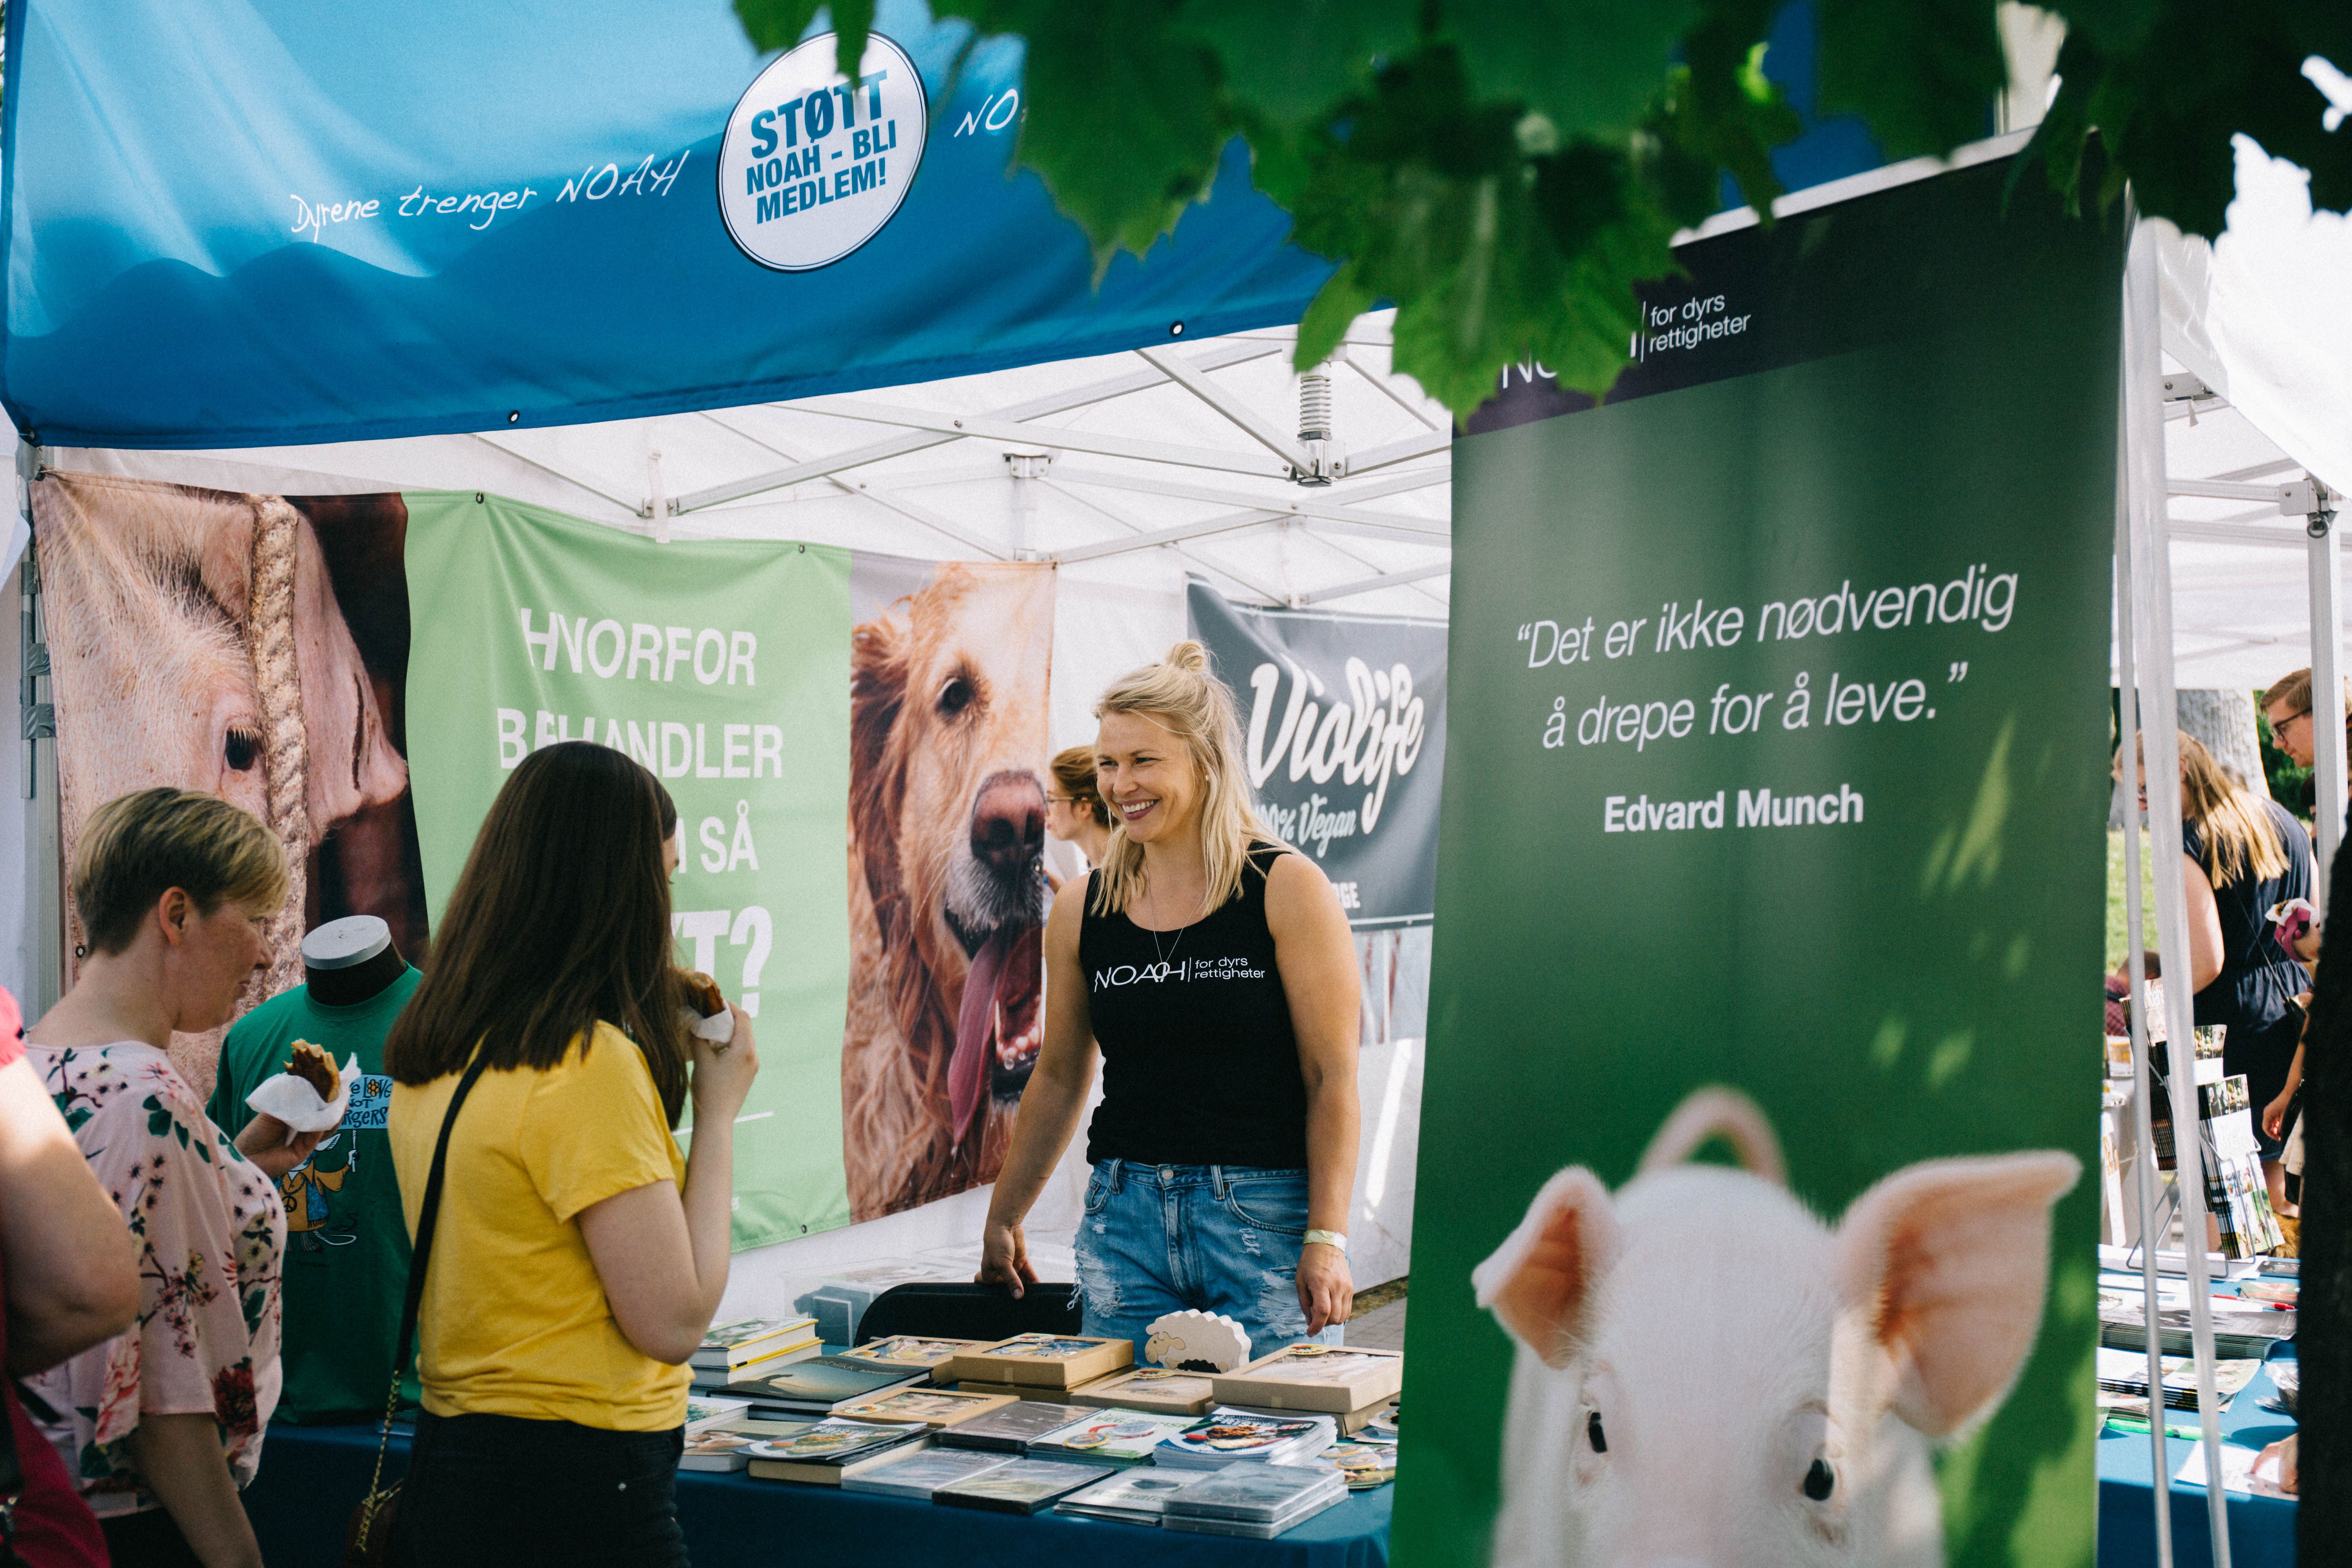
<point x="2261" y="1529"/>
<point x="311" y="1477"/>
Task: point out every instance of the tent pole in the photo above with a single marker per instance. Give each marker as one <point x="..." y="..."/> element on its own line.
<point x="2152" y="569"/>
<point x="2143" y="1078"/>
<point x="2327" y="698"/>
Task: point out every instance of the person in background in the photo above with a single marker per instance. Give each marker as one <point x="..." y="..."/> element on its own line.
<point x="578" y="1259"/>
<point x="1074" y="812"/>
<point x="69" y="1279"/>
<point x="163" y="1424"/>
<point x="1227" y="1131"/>
<point x="2286" y="705"/>
<point x="2242" y="854"/>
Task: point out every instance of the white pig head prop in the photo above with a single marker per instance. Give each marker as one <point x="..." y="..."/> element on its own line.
<point x="1707" y="1376"/>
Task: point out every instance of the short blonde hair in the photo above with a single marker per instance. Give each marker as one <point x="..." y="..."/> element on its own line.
<point x="138" y="846"/>
<point x="1181" y="696"/>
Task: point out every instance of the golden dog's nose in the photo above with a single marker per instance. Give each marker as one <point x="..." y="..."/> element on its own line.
<point x="1008" y="822"/>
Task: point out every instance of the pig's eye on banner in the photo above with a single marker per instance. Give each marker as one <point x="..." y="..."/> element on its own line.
<point x="814" y="163"/>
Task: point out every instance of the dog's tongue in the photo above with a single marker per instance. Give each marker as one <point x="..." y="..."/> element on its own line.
<point x="975" y="1031"/>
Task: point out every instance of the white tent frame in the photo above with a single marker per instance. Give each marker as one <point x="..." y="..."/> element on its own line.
<point x="2145" y="532"/>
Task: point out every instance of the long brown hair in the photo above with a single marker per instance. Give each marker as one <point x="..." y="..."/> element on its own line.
<point x="2228" y="816"/>
<point x="560" y="919"/>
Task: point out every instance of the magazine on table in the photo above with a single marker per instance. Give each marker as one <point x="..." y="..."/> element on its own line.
<point x="1111" y="1436"/>
<point x="923" y="1472"/>
<point x="1014" y="1427"/>
<point x="1021" y="1486"/>
<point x="1132" y="1497"/>
<point x="1226" y="1437"/>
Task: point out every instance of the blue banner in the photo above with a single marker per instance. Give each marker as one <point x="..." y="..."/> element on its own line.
<point x="264" y="222"/>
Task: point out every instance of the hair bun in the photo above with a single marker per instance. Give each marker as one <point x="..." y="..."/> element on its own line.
<point x="1188" y="655"/>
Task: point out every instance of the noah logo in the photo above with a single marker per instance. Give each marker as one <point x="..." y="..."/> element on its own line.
<point x="814" y="163"/>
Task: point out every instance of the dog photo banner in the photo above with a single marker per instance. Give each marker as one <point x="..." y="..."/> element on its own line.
<point x="723" y="667"/>
<point x="857" y="745"/>
<point x="1343" y="721"/>
<point x="1757" y="1197"/>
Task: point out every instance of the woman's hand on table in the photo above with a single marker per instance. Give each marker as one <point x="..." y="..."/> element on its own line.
<point x="1004" y="1258"/>
<point x="275" y="1147"/>
<point x="1327" y="1291"/>
<point x="2284" y="1452"/>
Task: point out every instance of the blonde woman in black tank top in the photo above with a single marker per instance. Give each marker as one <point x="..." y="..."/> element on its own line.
<point x="1212" y="969"/>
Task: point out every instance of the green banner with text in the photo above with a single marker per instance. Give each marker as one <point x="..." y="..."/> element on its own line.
<point x="1757" y="1213"/>
<point x="724" y="668"/>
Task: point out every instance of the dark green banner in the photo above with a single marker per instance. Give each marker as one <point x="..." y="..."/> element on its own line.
<point x="1772" y="841"/>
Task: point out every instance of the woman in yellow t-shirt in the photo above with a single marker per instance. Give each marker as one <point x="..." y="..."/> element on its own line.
<point x="577" y="1259"/>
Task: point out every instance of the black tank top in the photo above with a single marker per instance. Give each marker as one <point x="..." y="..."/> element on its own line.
<point x="1199" y="1064"/>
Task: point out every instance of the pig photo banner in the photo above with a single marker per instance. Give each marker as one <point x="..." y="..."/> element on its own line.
<point x="855" y="745"/>
<point x="1756" y="1210"/>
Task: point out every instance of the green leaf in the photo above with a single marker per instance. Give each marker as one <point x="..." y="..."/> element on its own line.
<point x="779" y="24"/>
<point x="1294" y="62"/>
<point x="2110" y="24"/>
<point x="1721" y="110"/>
<point x="159" y="1121"/>
<point x="1591" y="66"/>
<point x="1121" y="119"/>
<point x="1924" y="73"/>
<point x="1335" y="307"/>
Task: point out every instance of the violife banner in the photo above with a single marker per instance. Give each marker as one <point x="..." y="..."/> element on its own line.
<point x="530" y="628"/>
<point x="1344" y="729"/>
<point x="1757" y="1205"/>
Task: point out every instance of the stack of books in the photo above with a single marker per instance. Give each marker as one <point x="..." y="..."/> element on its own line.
<point x="753" y="1348"/>
<point x="1350" y="1385"/>
<point x="1259" y="1501"/>
<point x="917" y="1474"/>
<point x="2123" y="1380"/>
<point x="829" y="1451"/>
<point x="1011" y="1428"/>
<point x="1109" y="1438"/>
<point x="703" y="1411"/>
<point x="1133" y="1497"/>
<point x="924" y="1407"/>
<point x="1020" y="1486"/>
<point x="1026" y="1363"/>
<point x="1157" y="1389"/>
<point x="911" y="1352"/>
<point x="817" y="1387"/>
<point x="726" y="1450"/>
<point x="1227" y="1437"/>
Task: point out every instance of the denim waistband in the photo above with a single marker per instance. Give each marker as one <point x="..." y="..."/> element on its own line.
<point x="1216" y="1178"/>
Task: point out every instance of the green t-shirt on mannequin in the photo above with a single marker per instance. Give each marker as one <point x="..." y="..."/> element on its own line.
<point x="346" y="1241"/>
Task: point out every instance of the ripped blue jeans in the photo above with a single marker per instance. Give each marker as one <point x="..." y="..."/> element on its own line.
<point x="1217" y="1238"/>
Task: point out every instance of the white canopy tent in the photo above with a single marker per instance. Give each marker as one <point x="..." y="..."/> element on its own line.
<point x="1129" y="471"/>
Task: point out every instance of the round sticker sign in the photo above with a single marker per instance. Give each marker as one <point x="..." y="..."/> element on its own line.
<point x="814" y="163"/>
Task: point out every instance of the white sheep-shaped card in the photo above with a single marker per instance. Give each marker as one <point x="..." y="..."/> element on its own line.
<point x="1197" y="1341"/>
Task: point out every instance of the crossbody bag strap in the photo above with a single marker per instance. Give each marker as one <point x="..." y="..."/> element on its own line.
<point x="419" y="1259"/>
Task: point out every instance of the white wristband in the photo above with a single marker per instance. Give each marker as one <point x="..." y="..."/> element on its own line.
<point x="1326" y="1238"/>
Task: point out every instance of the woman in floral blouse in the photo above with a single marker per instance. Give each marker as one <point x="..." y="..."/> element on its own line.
<point x="164" y="1423"/>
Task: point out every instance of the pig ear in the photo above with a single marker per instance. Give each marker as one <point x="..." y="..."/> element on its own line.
<point x="1542" y="1281"/>
<point x="1941" y="1268"/>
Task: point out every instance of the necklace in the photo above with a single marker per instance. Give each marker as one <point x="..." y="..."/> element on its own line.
<point x="1164" y="959"/>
